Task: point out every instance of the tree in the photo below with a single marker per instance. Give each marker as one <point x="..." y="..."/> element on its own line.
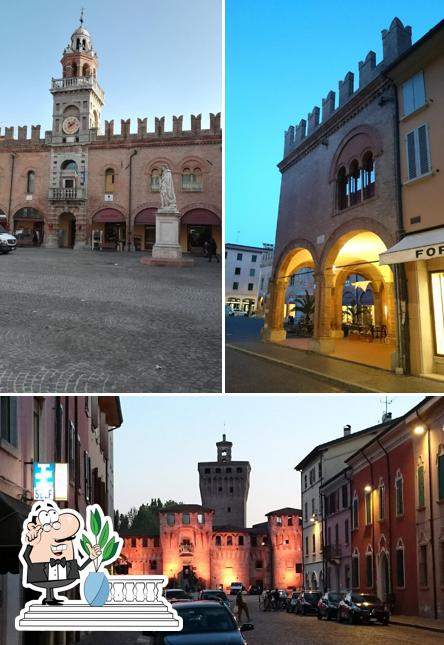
<point x="306" y="305"/>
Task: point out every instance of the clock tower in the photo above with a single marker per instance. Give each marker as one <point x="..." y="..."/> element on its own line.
<point x="77" y="97"/>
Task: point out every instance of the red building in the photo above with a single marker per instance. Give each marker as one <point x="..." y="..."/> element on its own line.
<point x="48" y="429"/>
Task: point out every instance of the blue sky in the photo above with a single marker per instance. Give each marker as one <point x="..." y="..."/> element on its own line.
<point x="164" y="437"/>
<point x="155" y="58"/>
<point x="282" y="59"/>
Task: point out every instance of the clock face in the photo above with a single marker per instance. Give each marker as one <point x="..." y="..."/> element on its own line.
<point x="71" y="125"/>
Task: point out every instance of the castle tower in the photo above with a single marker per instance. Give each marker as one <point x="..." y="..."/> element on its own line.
<point x="77" y="97"/>
<point x="224" y="486"/>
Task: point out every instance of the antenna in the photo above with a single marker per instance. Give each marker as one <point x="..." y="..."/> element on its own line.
<point x="386" y="416"/>
<point x="81" y="17"/>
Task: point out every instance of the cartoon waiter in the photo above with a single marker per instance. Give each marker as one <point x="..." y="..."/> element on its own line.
<point x="49" y="557"/>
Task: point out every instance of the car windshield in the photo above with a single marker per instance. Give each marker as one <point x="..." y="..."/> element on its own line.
<point x="2" y="229"/>
<point x="335" y="597"/>
<point x="199" y="620"/>
<point x="212" y="594"/>
<point x="364" y="597"/>
<point x="310" y="597"/>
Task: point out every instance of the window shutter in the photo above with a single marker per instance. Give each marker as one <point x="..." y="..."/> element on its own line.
<point x="411" y="156"/>
<point x="13" y="420"/>
<point x="421" y="499"/>
<point x="407" y="96"/>
<point x="418" y="90"/>
<point x="423" y="150"/>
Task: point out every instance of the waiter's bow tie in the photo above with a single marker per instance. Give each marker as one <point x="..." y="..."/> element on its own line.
<point x="53" y="562"/>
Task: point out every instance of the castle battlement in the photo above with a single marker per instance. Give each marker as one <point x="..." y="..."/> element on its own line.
<point x="395" y="41"/>
<point x="158" y="130"/>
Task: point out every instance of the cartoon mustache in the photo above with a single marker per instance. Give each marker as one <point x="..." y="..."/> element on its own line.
<point x="72" y="537"/>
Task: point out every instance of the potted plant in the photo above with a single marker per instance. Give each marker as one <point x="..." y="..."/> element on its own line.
<point x="99" y="530"/>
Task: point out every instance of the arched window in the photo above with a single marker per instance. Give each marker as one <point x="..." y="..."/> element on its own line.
<point x="354" y="183"/>
<point x="218" y="540"/>
<point x="30" y="182"/>
<point x="170" y="519"/>
<point x="240" y="540"/>
<point x="381" y="499"/>
<point x="399" y="490"/>
<point x="191" y="179"/>
<point x="200" y="518"/>
<point x="74" y="69"/>
<point x="85" y="70"/>
<point x="229" y="541"/>
<point x="109" y="181"/>
<point x="314" y="582"/>
<point x="69" y="164"/>
<point x="355" y="569"/>
<point x="185" y="518"/>
<point x="368" y="176"/>
<point x="341" y="187"/>
<point x="355" y="511"/>
<point x="155" y="180"/>
<point x="400" y="564"/>
<point x="368" y="507"/>
<point x="420" y="483"/>
<point x="369" y="567"/>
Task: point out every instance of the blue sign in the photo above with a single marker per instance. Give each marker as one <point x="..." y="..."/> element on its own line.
<point x="44" y="481"/>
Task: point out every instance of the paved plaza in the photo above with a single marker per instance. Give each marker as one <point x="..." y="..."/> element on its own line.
<point x="83" y="321"/>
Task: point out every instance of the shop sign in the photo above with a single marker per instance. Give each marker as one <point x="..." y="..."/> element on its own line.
<point x="50" y="481"/>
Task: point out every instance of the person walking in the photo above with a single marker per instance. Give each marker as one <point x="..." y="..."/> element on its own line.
<point x="212" y="249"/>
<point x="241" y="606"/>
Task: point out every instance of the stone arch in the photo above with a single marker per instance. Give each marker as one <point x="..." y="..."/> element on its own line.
<point x="67" y="229"/>
<point x="158" y="162"/>
<point x="358" y="141"/>
<point x="202" y="205"/>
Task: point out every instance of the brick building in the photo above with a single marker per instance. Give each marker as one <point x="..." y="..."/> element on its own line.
<point x="194" y="548"/>
<point x="48" y="429"/>
<point x="80" y="187"/>
<point x="339" y="207"/>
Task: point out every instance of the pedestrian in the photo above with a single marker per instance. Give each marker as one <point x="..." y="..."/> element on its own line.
<point x="241" y="606"/>
<point x="206" y="247"/>
<point x="212" y="249"/>
<point x="276" y="599"/>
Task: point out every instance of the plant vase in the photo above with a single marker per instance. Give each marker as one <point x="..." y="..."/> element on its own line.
<point x="96" y="588"/>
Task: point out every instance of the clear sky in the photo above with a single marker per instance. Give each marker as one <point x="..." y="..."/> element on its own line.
<point x="282" y="59"/>
<point x="156" y="58"/>
<point x="163" y="438"/>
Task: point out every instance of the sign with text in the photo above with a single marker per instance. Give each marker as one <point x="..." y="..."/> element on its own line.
<point x="50" y="481"/>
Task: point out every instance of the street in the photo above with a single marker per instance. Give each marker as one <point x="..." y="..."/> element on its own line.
<point x="280" y="628"/>
<point x="83" y="321"/>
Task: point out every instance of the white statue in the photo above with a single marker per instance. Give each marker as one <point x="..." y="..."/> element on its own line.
<point x="167" y="195"/>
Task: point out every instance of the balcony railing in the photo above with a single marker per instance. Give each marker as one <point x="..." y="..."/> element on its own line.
<point x="332" y="551"/>
<point x="186" y="548"/>
<point x="66" y="193"/>
<point x="77" y="82"/>
<point x="135" y="603"/>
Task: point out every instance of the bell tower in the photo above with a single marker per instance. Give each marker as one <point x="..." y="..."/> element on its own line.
<point x="224" y="486"/>
<point x="77" y="97"/>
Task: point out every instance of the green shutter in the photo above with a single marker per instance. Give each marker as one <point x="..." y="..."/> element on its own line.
<point x="421" y="497"/>
<point x="441" y="476"/>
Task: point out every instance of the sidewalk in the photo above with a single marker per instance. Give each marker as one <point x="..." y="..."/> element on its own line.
<point x="337" y="371"/>
<point x="418" y="622"/>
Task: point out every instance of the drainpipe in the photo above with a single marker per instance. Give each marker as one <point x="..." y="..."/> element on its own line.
<point x="389" y="511"/>
<point x="130" y="242"/>
<point x="10" y="189"/>
<point x="432" y="531"/>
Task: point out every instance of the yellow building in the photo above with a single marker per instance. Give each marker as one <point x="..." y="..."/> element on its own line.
<point x="419" y="77"/>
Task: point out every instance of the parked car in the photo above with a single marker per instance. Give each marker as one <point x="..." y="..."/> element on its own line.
<point x="255" y="590"/>
<point x="8" y="242"/>
<point x="235" y="587"/>
<point x="215" y="594"/>
<point x="362" y="607"/>
<point x="205" y="622"/>
<point x="173" y="595"/>
<point x="328" y="605"/>
<point x="292" y="602"/>
<point x="307" y="602"/>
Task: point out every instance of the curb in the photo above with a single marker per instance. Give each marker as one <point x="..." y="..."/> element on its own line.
<point x="325" y="377"/>
<point x="417" y="626"/>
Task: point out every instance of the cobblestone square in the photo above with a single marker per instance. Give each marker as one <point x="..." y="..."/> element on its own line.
<point x="83" y="321"/>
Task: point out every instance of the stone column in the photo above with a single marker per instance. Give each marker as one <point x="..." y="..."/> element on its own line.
<point x="50" y="240"/>
<point x="324" y="313"/>
<point x="274" y="311"/>
<point x="80" y="243"/>
<point x="167" y="234"/>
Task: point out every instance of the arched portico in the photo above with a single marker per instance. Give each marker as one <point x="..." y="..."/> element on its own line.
<point x="66" y="230"/>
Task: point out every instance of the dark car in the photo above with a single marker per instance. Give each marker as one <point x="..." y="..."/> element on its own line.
<point x="205" y="622"/>
<point x="307" y="602"/>
<point x="328" y="605"/>
<point x="362" y="607"/>
<point x="215" y="594"/>
<point x="255" y="590"/>
<point x="173" y="595"/>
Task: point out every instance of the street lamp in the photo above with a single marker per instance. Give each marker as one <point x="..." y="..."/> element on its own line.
<point x="419" y="430"/>
<point x="368" y="488"/>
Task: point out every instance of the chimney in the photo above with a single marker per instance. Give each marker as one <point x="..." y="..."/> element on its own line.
<point x="386" y="416"/>
<point x="347" y="430"/>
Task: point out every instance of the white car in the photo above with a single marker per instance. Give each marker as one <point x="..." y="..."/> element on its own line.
<point x="7" y="241"/>
<point x="235" y="587"/>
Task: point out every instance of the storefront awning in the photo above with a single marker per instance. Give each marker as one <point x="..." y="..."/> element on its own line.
<point x="418" y="246"/>
<point x="13" y="513"/>
<point x="147" y="216"/>
<point x="109" y="215"/>
<point x="199" y="216"/>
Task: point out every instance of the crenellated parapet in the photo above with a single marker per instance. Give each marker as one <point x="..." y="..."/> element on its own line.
<point x="159" y="131"/>
<point x="395" y="41"/>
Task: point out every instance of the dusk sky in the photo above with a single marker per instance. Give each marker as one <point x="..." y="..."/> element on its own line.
<point x="283" y="57"/>
<point x="162" y="439"/>
<point x="155" y="58"/>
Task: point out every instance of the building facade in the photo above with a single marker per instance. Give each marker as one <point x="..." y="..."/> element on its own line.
<point x="420" y="92"/>
<point x="80" y="187"/>
<point x="340" y="208"/>
<point x="242" y="272"/>
<point x="54" y="429"/>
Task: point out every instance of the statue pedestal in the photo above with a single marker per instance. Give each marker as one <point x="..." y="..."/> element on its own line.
<point x="167" y="234"/>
